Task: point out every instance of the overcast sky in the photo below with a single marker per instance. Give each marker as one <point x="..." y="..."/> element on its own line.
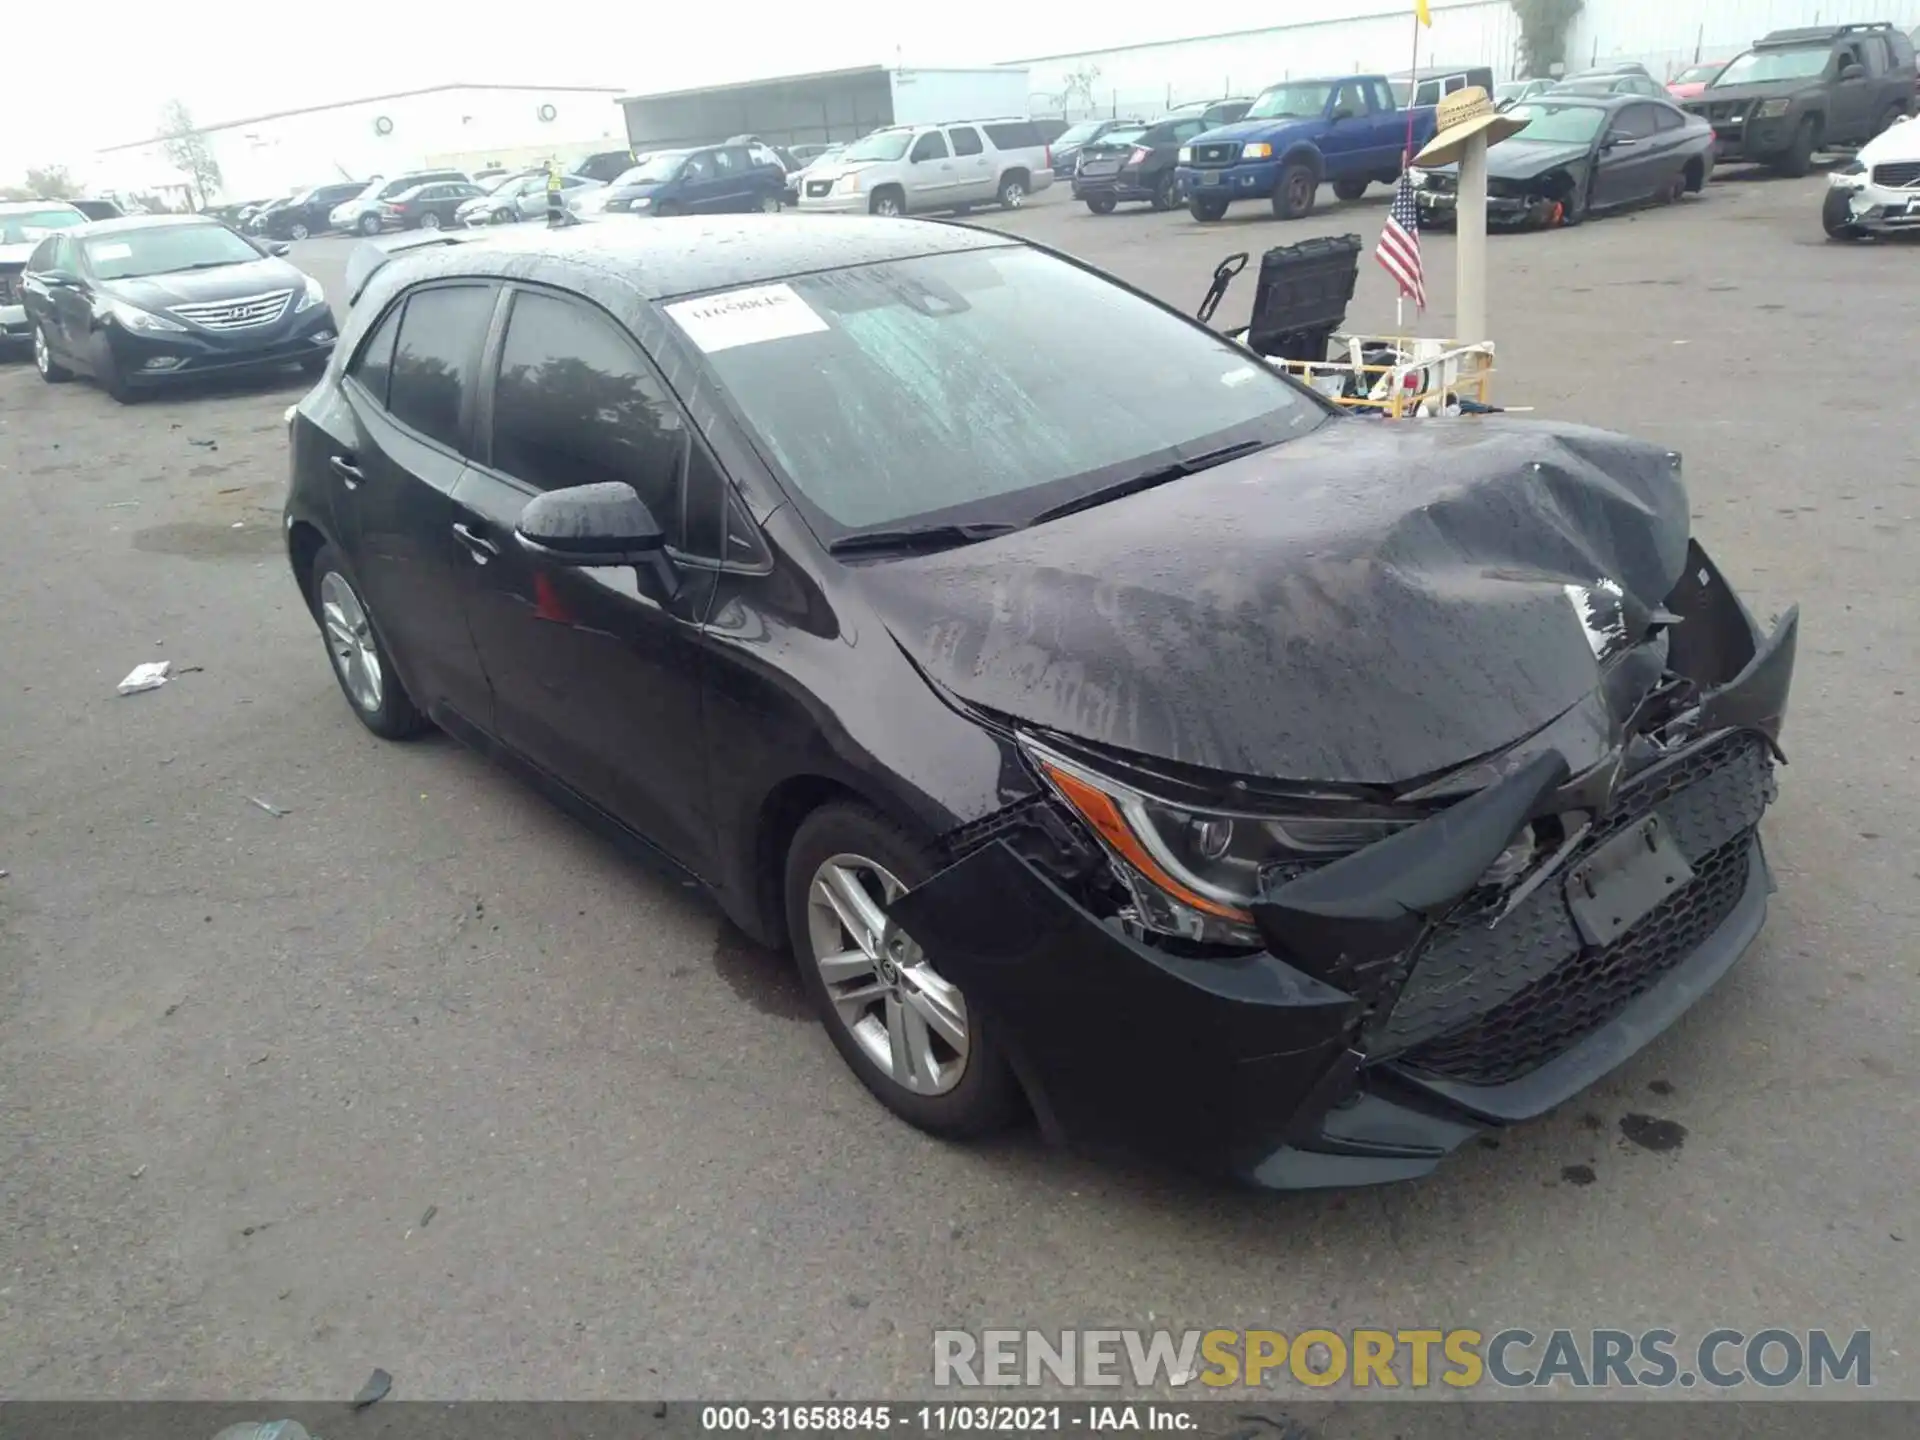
<point x="229" y="59"/>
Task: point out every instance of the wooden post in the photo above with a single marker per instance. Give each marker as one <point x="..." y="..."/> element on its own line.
<point x="1470" y="245"/>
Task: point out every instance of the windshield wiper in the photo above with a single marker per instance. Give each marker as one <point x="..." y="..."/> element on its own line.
<point x="202" y="265"/>
<point x="918" y="537"/>
<point x="1159" y="475"/>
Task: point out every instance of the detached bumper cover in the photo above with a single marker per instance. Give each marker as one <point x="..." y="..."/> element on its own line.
<point x="1881" y="208"/>
<point x="1397" y="1010"/>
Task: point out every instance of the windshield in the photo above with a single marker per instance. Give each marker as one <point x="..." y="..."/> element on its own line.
<point x="504" y="184"/>
<point x="1079" y="134"/>
<point x="881" y="145"/>
<point x="963" y="383"/>
<point x="23" y="227"/>
<point x="1125" y="135"/>
<point x="122" y="254"/>
<point x="1511" y="90"/>
<point x="1696" y="75"/>
<point x="655" y="169"/>
<point x="1556" y="124"/>
<point x="1762" y="65"/>
<point x="1302" y="101"/>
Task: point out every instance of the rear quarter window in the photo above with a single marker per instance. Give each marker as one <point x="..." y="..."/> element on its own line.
<point x="1014" y="135"/>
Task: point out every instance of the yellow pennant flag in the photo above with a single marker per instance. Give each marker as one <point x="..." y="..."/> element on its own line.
<point x="1422" y="13"/>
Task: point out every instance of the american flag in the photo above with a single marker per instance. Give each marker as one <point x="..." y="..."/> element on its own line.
<point x="1399" y="247"/>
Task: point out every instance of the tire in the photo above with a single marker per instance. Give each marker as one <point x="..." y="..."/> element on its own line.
<point x="1798" y="160"/>
<point x="1012" y="193"/>
<point x="1670" y="193"/>
<point x="1836" y="217"/>
<point x="1166" y="194"/>
<point x="1351" y="188"/>
<point x="298" y="231"/>
<point x="1100" y="204"/>
<point x="887" y="200"/>
<point x="1577" y="207"/>
<point x="314" y="365"/>
<point x="51" y="370"/>
<point x="112" y="379"/>
<point x="667" y="211"/>
<point x="352" y="642"/>
<point x="368" y="225"/>
<point x="769" y="205"/>
<point x="430" y="220"/>
<point x="957" y="1094"/>
<point x="1294" y="195"/>
<point x="1207" y="208"/>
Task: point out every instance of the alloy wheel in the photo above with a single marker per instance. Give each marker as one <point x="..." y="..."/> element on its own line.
<point x="886" y="205"/>
<point x="910" y="1022"/>
<point x="298" y="231"/>
<point x="350" y="642"/>
<point x="41" y="359"/>
<point x="1013" y="194"/>
<point x="430" y="221"/>
<point x="770" y="204"/>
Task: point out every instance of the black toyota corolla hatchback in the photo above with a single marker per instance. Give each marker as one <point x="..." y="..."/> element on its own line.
<point x="1109" y="726"/>
<point x="153" y="299"/>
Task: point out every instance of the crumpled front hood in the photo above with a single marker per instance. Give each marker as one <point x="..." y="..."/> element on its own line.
<point x="1373" y="603"/>
<point x="1899" y="141"/>
<point x="224" y="282"/>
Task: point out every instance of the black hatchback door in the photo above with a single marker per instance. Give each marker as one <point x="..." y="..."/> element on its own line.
<point x="596" y="672"/>
<point x="411" y="392"/>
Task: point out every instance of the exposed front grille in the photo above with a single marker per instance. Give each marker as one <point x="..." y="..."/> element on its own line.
<point x="236" y="314"/>
<point x="1897" y="174"/>
<point x="1723" y="109"/>
<point x="1443" y="183"/>
<point x="1215" y="154"/>
<point x="9" y="287"/>
<point x="1487" y="1005"/>
<point x="818" y="188"/>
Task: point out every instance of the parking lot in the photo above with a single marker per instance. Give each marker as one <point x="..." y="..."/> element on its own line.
<point x="419" y="1074"/>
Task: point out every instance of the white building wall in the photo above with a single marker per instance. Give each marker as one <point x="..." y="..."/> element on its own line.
<point x="924" y="96"/>
<point x="1666" y="37"/>
<point x="1325" y="37"/>
<point x="467" y="126"/>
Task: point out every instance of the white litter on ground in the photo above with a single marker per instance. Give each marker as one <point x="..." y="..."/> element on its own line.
<point x="149" y="676"/>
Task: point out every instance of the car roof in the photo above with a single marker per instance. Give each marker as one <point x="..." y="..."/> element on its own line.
<point x="689" y="254"/>
<point x="1590" y="100"/>
<point x="12" y="206"/>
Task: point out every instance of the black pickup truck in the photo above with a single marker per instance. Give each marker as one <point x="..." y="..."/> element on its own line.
<point x="1798" y="91"/>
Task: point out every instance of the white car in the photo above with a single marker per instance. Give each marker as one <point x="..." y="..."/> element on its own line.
<point x="906" y="169"/>
<point x="1878" y="191"/>
<point x="23" y="225"/>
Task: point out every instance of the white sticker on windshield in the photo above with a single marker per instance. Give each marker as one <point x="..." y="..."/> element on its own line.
<point x="110" y="250"/>
<point x="1240" y="376"/>
<point x="745" y="317"/>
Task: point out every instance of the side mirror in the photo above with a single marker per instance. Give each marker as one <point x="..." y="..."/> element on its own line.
<point x="279" y="249"/>
<point x="1343" y="113"/>
<point x="584" y="526"/>
<point x="59" y="279"/>
<point x="1617" y="138"/>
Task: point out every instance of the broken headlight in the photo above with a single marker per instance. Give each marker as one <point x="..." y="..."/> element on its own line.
<point x="1195" y="872"/>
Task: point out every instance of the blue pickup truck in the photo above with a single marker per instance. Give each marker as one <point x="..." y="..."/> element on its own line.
<point x="1346" y="130"/>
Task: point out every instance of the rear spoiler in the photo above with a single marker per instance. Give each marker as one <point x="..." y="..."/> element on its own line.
<point x="370" y="255"/>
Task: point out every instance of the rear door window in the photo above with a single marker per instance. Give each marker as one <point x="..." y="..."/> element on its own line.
<point x="966" y="140"/>
<point x="436" y="357"/>
<point x="1014" y="135"/>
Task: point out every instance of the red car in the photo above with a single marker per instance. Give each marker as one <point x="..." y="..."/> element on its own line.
<point x="1695" y="78"/>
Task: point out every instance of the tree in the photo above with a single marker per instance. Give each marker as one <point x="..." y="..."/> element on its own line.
<point x="1544" y="29"/>
<point x="1079" y="83"/>
<point x="188" y="151"/>
<point x="51" y="182"/>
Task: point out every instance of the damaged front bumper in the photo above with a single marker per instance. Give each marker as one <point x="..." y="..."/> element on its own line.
<point x="1399" y="1007"/>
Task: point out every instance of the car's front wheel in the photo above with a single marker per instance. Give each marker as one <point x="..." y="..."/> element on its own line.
<point x="1836" y="217"/>
<point x="298" y="230"/>
<point x="905" y="1030"/>
<point x="769" y="204"/>
<point x="369" y="225"/>
<point x="1798" y="159"/>
<point x="360" y="661"/>
<point x="51" y="370"/>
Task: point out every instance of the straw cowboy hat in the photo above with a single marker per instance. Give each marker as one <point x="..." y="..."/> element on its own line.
<point x="1459" y="117"/>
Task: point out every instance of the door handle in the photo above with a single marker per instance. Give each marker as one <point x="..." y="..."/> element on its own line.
<point x="478" y="546"/>
<point x="346" y="470"/>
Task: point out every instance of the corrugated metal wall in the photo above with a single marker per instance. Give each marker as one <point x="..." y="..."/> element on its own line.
<point x="1337" y="37"/>
<point x="1666" y="37"/>
<point x="1326" y="39"/>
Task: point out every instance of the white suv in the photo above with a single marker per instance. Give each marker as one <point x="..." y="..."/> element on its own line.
<point x="907" y="168"/>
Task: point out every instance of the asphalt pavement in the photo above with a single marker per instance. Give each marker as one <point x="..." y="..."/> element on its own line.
<point x="319" y="1053"/>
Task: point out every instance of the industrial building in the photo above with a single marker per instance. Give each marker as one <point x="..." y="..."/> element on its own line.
<point x="1337" y="37"/>
<point x="460" y="126"/>
<point x="824" y="105"/>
